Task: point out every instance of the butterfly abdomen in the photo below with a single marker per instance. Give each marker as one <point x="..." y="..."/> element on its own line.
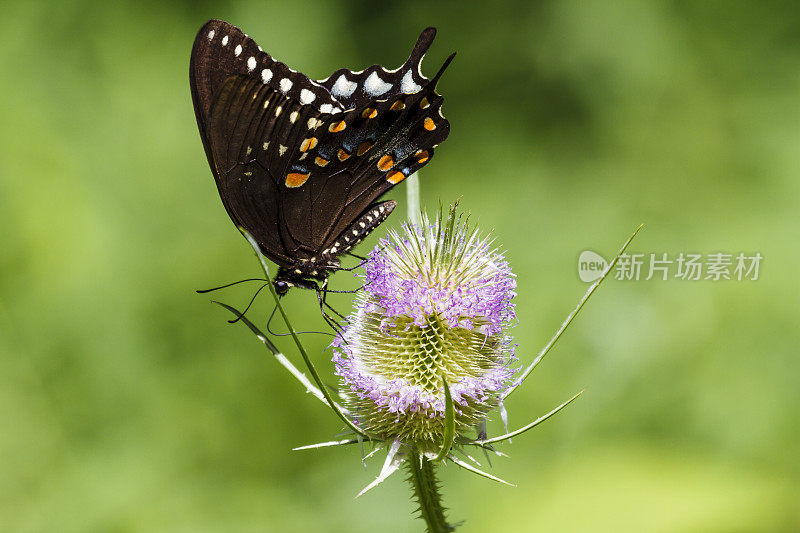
<point x="363" y="226"/>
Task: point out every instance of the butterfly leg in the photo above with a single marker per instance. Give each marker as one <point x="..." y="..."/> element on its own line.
<point x="334" y="325"/>
<point x="363" y="261"/>
<point x="349" y="292"/>
<point x="325" y="315"/>
<point x="326" y="304"/>
<point x="352" y="268"/>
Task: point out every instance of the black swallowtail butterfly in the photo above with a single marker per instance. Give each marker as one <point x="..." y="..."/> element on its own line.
<point x="300" y="164"/>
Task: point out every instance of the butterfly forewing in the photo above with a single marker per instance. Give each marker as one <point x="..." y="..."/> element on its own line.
<point x="250" y="194"/>
<point x="221" y="50"/>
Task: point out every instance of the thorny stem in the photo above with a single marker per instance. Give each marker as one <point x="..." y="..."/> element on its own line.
<point x="426" y="490"/>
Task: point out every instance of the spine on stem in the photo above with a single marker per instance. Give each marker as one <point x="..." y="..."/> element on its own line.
<point x="426" y="491"/>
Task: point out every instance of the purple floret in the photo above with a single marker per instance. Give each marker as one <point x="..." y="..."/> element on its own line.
<point x="488" y="297"/>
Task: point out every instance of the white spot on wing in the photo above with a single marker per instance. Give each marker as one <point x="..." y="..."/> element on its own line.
<point x="211" y="35"/>
<point x="281" y="149"/>
<point x="251" y="64"/>
<point x="326" y="108"/>
<point x="306" y="96"/>
<point x="238" y="50"/>
<point x="376" y="86"/>
<point x="293" y="117"/>
<point x="286" y="84"/>
<point x="407" y="85"/>
<point x="266" y="75"/>
<point x="225" y="41"/>
<point x="343" y="87"/>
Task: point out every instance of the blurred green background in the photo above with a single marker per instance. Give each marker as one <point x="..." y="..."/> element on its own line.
<point x="127" y="403"/>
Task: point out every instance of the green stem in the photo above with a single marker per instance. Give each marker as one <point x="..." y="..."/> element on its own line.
<point x="426" y="491"/>
<point x="412" y="194"/>
<point x="311" y="368"/>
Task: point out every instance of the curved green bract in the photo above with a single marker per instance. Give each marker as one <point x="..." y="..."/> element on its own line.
<point x="449" y="422"/>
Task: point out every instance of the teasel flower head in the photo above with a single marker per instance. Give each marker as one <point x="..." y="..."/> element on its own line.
<point x="434" y="314"/>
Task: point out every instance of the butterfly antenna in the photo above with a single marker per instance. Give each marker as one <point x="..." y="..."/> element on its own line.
<point x="203" y="291"/>
<point x="253" y="299"/>
<point x="271" y="316"/>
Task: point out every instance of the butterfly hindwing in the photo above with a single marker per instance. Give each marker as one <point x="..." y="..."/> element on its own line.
<point x="355" y="89"/>
<point x="378" y="145"/>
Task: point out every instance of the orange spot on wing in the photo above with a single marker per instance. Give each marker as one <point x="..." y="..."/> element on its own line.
<point x="337" y="126"/>
<point x="385" y="163"/>
<point x="320" y="161"/>
<point x="429" y="125"/>
<point x="369" y="112"/>
<point x="395" y="177"/>
<point x="397" y="106"/>
<point x="363" y="147"/>
<point x="422" y="156"/>
<point x="296" y="179"/>
<point x="342" y="155"/>
<point x="308" y="144"/>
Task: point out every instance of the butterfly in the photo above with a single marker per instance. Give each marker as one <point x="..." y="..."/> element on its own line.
<point x="300" y="164"/>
